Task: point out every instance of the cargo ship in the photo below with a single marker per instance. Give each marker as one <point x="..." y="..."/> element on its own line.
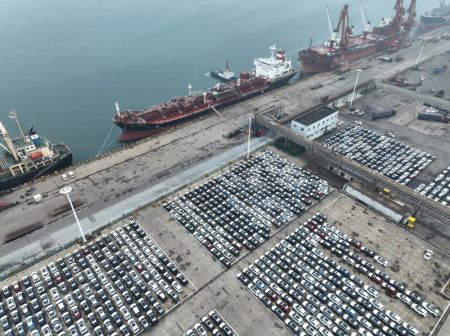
<point x="435" y="18"/>
<point x="269" y="73"/>
<point x="29" y="156"/>
<point x="224" y="75"/>
<point x="338" y="53"/>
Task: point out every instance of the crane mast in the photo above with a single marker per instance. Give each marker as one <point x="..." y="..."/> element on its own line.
<point x="410" y="21"/>
<point x="343" y="26"/>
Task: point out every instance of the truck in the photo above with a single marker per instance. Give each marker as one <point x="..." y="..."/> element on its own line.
<point x="66" y="207"/>
<point x="385" y="59"/>
<point x="438" y="70"/>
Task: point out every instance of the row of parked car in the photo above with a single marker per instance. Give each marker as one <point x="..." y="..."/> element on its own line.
<point x="212" y="324"/>
<point x="381" y="153"/>
<point x="354" y="253"/>
<point x="241" y="207"/>
<point x="115" y="285"/>
<point x="313" y="295"/>
<point x="439" y="189"/>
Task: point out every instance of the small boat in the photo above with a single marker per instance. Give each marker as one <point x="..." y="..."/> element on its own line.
<point x="225" y="75"/>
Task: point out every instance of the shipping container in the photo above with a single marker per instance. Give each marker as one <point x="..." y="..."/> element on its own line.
<point x="382" y="114"/>
<point x="433" y="117"/>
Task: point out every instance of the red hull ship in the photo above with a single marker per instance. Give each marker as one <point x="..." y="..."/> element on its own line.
<point x="269" y="74"/>
<point x="335" y="53"/>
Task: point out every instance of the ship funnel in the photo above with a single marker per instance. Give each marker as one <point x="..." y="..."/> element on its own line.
<point x="190" y="89"/>
<point x="117" y="108"/>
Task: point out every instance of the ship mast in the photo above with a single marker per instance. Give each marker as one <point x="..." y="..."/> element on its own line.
<point x="344" y="27"/>
<point x="13" y="115"/>
<point x="365" y="22"/>
<point x="330" y="26"/>
<point x="11" y="149"/>
<point x="117" y="108"/>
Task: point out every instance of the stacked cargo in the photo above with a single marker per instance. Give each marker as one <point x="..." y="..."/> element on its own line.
<point x="382" y="114"/>
<point x="433" y="114"/>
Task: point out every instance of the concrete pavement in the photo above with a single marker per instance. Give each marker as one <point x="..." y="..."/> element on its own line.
<point x="24" y="251"/>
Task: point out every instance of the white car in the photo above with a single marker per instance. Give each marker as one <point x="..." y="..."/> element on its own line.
<point x="71" y="174"/>
<point x="404" y="298"/>
<point x="134" y="326"/>
<point x="419" y="310"/>
<point x="381" y="261"/>
<point x="428" y="254"/>
<point x="64" y="177"/>
<point x="411" y="329"/>
<point x="359" y="123"/>
<point x="431" y="309"/>
<point x="393" y="316"/>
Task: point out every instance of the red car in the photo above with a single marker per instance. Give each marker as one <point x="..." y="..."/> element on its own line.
<point x="355" y="243"/>
<point x="375" y="278"/>
<point x="284" y="307"/>
<point x="139" y="267"/>
<point x="76" y="314"/>
<point x="271" y="295"/>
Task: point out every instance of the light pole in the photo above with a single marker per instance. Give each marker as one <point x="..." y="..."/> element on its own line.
<point x="356" y="84"/>
<point x="66" y="191"/>
<point x="250" y="116"/>
<point x="420" y="53"/>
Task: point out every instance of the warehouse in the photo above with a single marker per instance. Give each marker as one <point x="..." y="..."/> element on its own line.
<point x="316" y="123"/>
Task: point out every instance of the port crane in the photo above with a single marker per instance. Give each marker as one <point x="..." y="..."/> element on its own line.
<point x="411" y="19"/>
<point x="344" y="27"/>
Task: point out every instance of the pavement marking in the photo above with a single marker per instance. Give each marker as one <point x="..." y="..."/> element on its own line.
<point x="137" y="221"/>
<point x="229" y="324"/>
<point x="437" y="323"/>
<point x="443" y="289"/>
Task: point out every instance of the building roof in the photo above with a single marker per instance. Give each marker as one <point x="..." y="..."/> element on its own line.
<point x="315" y="115"/>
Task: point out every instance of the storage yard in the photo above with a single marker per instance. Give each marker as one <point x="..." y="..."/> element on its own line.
<point x="155" y="254"/>
<point x="427" y="136"/>
<point x="433" y="75"/>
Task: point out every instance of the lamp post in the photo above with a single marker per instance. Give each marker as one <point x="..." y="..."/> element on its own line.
<point x="420" y="53"/>
<point x="356" y="84"/>
<point x="66" y="191"/>
<point x="250" y="116"/>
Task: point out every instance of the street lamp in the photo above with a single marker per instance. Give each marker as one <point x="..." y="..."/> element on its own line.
<point x="420" y="52"/>
<point x="66" y="191"/>
<point x="250" y="116"/>
<point x="356" y="84"/>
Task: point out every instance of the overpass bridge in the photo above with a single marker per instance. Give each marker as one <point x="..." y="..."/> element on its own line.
<point x="328" y="158"/>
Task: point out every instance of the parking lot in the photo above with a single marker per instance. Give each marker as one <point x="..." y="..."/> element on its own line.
<point x="380" y="152"/>
<point x="214" y="287"/>
<point x="211" y="324"/>
<point x="309" y="291"/>
<point x="121" y="282"/>
<point x="429" y="136"/>
<point x="241" y="207"/>
<point x="439" y="189"/>
<point x="218" y="288"/>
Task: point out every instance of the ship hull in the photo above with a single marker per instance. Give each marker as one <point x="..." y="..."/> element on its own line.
<point x="313" y="64"/>
<point x="136" y="131"/>
<point x="428" y="23"/>
<point x="10" y="182"/>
